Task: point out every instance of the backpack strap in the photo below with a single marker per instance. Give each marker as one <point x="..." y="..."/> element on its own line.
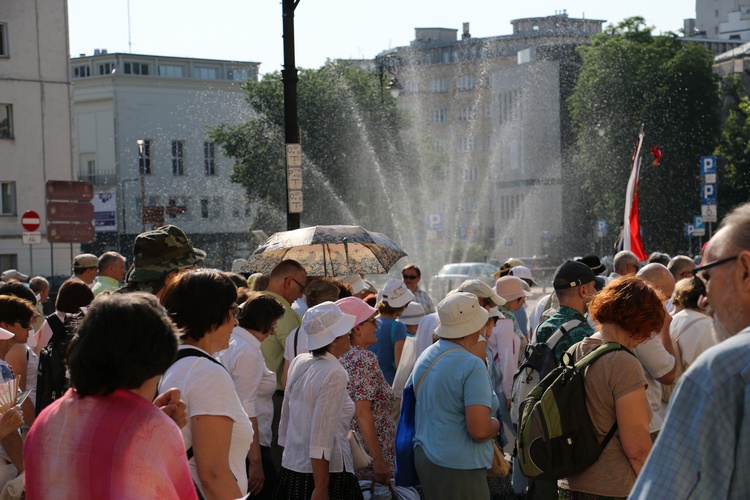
<point x="596" y="353"/>
<point x="296" y="337"/>
<point x="561" y="332"/>
<point x="57" y="327"/>
<point x="185" y="353"/>
<point x="430" y="368"/>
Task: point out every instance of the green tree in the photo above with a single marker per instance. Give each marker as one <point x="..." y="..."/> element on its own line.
<point x="631" y="78"/>
<point x="351" y="145"/>
<point x="733" y="151"/>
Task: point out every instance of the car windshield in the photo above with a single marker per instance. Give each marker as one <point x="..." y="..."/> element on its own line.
<point x="454" y="269"/>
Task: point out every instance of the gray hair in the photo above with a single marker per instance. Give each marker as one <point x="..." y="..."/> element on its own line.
<point x="622" y="259"/>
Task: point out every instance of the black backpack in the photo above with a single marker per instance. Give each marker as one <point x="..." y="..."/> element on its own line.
<point x="52" y="379"/>
<point x="556" y="437"/>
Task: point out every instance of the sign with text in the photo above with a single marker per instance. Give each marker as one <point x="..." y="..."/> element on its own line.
<point x="699" y="229"/>
<point x="295" y="202"/>
<point x="708" y="193"/>
<point x="105" y="211"/>
<point x="435" y="221"/>
<point x="33" y="238"/>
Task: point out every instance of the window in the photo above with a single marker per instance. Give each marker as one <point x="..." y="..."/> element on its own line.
<point x="439" y="85"/>
<point x="411" y="86"/>
<point x="238" y="74"/>
<point x="144" y="161"/>
<point x="134" y="68"/>
<point x="4" y="46"/>
<point x="469" y="173"/>
<point x="7" y="198"/>
<point x="467" y="144"/>
<point x="8" y="261"/>
<point x="209" y="158"/>
<point x="106" y="68"/>
<point x="467" y="114"/>
<point x="204" y="208"/>
<point x="439" y="115"/>
<point x="81" y="71"/>
<point x="170" y="71"/>
<point x="467" y="82"/>
<point x="6" y="121"/>
<point x="178" y="157"/>
<point x="204" y="73"/>
<point x="216" y="208"/>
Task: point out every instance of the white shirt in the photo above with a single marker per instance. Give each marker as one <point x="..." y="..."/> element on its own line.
<point x="300" y="336"/>
<point x="316" y="414"/>
<point x="253" y="381"/>
<point x="695" y="339"/>
<point x="505" y="344"/>
<point x="423" y="337"/>
<point x="656" y="362"/>
<point x="207" y="389"/>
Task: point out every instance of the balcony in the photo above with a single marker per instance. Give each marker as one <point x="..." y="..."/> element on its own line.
<point x="99" y="178"/>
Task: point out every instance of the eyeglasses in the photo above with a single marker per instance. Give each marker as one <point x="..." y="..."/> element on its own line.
<point x="409" y="276"/>
<point x="698" y="271"/>
<point x="371" y="320"/>
<point x="24" y="324"/>
<point x="300" y="285"/>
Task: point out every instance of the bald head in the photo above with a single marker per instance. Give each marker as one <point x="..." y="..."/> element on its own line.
<point x="681" y="267"/>
<point x="659" y="276"/>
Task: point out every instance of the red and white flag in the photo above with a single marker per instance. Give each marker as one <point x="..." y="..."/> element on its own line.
<point x="631" y="232"/>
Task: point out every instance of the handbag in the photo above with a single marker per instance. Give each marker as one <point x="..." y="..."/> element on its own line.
<point x="500" y="466"/>
<point x="360" y="458"/>
<point x="377" y="491"/>
<point x="406" y="470"/>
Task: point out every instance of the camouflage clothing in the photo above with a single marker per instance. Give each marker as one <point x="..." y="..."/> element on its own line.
<point x="158" y="252"/>
<point x="575" y="335"/>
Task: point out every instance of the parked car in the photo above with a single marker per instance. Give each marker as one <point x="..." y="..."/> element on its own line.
<point x="452" y="275"/>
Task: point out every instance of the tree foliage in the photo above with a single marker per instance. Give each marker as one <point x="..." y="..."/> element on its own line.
<point x="733" y="151"/>
<point x="352" y="150"/>
<point x="631" y="78"/>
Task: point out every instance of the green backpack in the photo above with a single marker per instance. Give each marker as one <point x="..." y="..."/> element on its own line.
<point x="556" y="437"/>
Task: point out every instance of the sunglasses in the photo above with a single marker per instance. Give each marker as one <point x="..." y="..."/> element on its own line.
<point x="24" y="324"/>
<point x="371" y="320"/>
<point x="409" y="276"/>
<point x="300" y="285"/>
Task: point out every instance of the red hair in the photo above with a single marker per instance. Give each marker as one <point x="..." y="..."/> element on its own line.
<point x="632" y="304"/>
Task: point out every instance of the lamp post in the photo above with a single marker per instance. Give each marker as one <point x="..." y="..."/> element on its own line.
<point x="291" y="121"/>
<point x="142" y="169"/>
<point x="387" y="66"/>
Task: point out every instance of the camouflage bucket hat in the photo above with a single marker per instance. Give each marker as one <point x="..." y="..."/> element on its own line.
<point x="157" y="252"/>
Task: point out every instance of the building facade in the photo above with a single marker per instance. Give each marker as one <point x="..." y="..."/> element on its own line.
<point x="722" y="19"/>
<point x="152" y="114"/>
<point x="492" y="116"/>
<point x="35" y="129"/>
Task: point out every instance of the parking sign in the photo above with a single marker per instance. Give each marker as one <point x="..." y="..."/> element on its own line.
<point x="708" y="165"/>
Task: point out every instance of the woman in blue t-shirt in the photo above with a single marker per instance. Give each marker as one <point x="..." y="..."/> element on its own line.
<point x="455" y="404"/>
<point x="393" y="299"/>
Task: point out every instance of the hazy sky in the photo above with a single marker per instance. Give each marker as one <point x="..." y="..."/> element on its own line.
<point x="250" y="30"/>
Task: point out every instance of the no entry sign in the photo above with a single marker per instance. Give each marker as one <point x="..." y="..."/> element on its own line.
<point x="30" y="220"/>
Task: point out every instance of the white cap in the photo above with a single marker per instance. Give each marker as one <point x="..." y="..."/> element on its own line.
<point x="481" y="290"/>
<point x="354" y="281"/>
<point x="325" y="323"/>
<point x="511" y="288"/>
<point x="413" y="314"/>
<point x="522" y="272"/>
<point x="395" y="293"/>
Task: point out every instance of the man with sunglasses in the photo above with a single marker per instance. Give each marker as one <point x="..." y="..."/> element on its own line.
<point x="703" y="450"/>
<point x="412" y="275"/>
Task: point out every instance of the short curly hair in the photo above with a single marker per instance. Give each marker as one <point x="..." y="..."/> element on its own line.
<point x="632" y="304"/>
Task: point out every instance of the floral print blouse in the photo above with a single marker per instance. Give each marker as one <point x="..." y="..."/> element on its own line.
<point x="367" y="383"/>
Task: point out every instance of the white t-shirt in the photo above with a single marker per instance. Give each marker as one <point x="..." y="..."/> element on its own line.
<point x="316" y="414"/>
<point x="207" y="389"/>
<point x="656" y="362"/>
<point x="253" y="381"/>
<point x="505" y="345"/>
<point x="423" y="337"/>
<point x="695" y="339"/>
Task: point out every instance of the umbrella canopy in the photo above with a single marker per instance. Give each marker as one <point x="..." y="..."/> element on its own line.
<point x="328" y="251"/>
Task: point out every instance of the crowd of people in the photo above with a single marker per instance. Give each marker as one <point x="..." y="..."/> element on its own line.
<point x="184" y="382"/>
